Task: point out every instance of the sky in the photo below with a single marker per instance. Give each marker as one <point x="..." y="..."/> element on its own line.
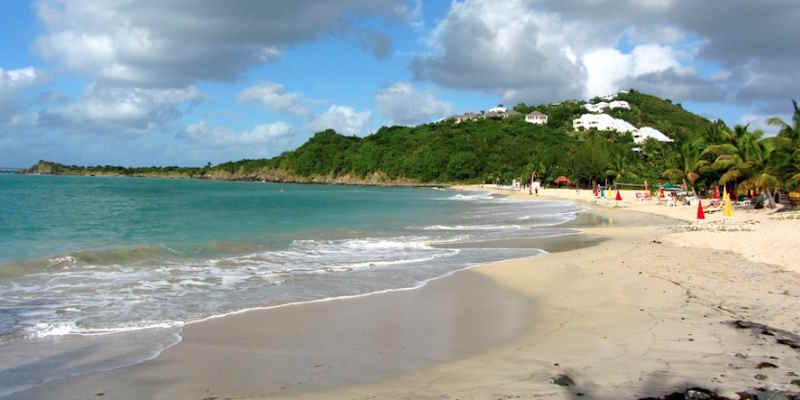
<point x="186" y="82"/>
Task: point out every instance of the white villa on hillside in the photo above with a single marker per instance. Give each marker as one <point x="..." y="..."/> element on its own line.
<point x="619" y="104"/>
<point x="596" y="108"/>
<point x="536" y="118"/>
<point x="499" y="109"/>
<point x="605" y="122"/>
<point x="602" y="122"/>
<point x="647" y="132"/>
<point x="470" y="116"/>
<point x="599" y="107"/>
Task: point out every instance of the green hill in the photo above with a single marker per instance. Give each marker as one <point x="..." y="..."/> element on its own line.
<point x="471" y="151"/>
<point x="486" y="150"/>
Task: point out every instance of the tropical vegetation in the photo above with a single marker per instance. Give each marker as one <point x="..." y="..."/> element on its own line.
<point x="703" y="153"/>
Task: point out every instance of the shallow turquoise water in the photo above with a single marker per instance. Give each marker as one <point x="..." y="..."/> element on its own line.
<point x="113" y="268"/>
<point x="46" y="216"/>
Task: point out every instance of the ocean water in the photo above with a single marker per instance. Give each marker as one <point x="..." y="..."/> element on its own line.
<point x="100" y="273"/>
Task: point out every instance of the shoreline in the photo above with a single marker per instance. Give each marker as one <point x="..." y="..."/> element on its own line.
<point x="493" y="371"/>
<point x="555" y="243"/>
<point x="312" y="180"/>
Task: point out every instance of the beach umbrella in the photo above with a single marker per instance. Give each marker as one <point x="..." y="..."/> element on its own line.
<point x="728" y="210"/>
<point x="700" y="213"/>
<point x="619" y="196"/>
<point x="716" y="192"/>
<point x="562" y="179"/>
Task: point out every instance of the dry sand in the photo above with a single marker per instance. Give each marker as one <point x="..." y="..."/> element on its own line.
<point x="646" y="311"/>
<point x="760" y="235"/>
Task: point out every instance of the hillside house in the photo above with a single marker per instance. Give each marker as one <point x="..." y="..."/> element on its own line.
<point x="602" y="122"/>
<point x="469" y="116"/>
<point x="619" y="104"/>
<point x="536" y="118"/>
<point x="596" y="108"/>
<point x="500" y="109"/>
<point x="601" y="106"/>
<point x="644" y="133"/>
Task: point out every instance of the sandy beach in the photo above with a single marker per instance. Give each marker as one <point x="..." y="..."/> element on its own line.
<point x="649" y="305"/>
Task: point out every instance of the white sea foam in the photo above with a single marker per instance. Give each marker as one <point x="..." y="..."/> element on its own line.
<point x="63" y="261"/>
<point x="471" y="227"/>
<point x="471" y="197"/>
<point x="91" y="299"/>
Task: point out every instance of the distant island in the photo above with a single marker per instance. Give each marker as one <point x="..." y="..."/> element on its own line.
<point x="628" y="137"/>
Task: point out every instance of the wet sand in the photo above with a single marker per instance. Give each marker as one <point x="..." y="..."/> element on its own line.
<point x="321" y="345"/>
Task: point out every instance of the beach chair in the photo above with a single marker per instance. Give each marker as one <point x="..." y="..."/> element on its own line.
<point x="794" y="199"/>
<point x="744" y="203"/>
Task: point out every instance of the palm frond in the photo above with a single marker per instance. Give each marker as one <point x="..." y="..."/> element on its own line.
<point x="775" y="121"/>
<point x="731" y="175"/>
<point x="672" y="173"/>
<point x="718" y="149"/>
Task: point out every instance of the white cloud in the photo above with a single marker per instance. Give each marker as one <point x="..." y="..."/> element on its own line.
<point x="129" y="48"/>
<point x="506" y="49"/>
<point x="275" y="97"/>
<point x="608" y="68"/>
<point x="166" y="43"/>
<point x="343" y="119"/>
<point x="17" y="79"/>
<point x="113" y="110"/>
<point x="264" y="134"/>
<point x="538" y="51"/>
<point x="401" y="104"/>
<point x="13" y="84"/>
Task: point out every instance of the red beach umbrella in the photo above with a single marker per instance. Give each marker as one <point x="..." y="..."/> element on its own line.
<point x="700" y="213"/>
<point x="619" y="196"/>
<point x="562" y="179"/>
<point x="716" y="192"/>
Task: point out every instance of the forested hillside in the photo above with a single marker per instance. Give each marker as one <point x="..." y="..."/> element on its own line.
<point x="494" y="149"/>
<point x="703" y="153"/>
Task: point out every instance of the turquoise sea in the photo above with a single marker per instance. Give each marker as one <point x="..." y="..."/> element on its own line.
<point x="99" y="273"/>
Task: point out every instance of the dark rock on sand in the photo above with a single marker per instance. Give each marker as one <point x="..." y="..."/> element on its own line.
<point x="563" y="380"/>
<point x="763" y="365"/>
<point x="781" y="336"/>
<point x="693" y="394"/>
<point x="705" y="394"/>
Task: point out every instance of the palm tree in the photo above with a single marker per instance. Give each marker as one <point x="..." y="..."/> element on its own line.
<point x="743" y="160"/>
<point x="761" y="175"/>
<point x="688" y="165"/>
<point x="786" y="154"/>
